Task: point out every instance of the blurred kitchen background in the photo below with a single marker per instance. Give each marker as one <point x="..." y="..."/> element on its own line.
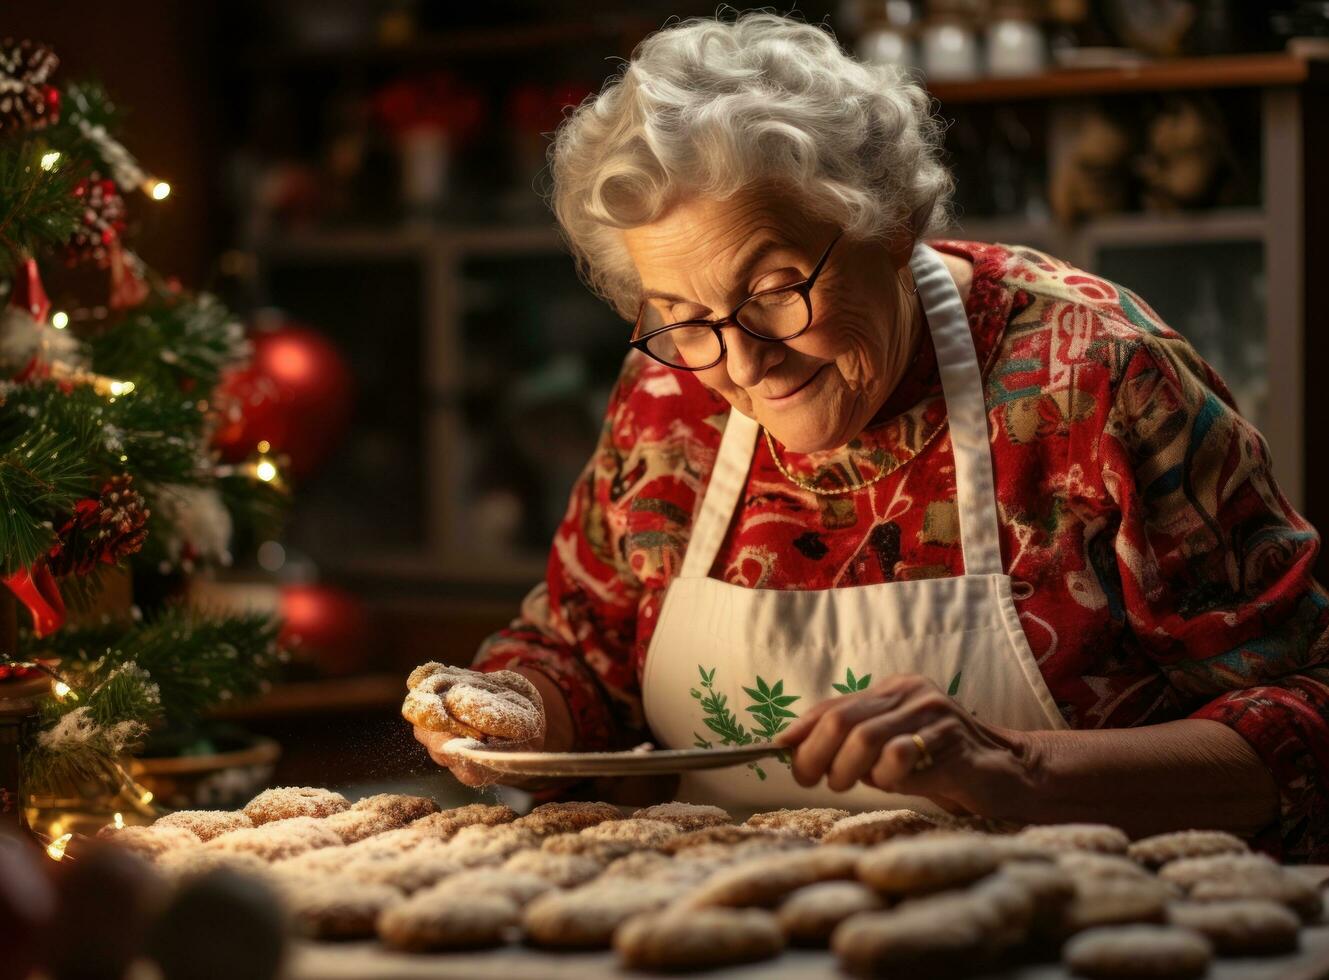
<point x="361" y="179"/>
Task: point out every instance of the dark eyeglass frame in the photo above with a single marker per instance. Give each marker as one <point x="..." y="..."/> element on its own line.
<point x="804" y="289"/>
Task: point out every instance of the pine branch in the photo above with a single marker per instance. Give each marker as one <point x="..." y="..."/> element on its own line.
<point x="172" y="344"/>
<point x="37" y="205"/>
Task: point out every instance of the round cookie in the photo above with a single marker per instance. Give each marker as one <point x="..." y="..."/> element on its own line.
<point x="286" y="802"/>
<point x="150" y="842"/>
<point x="328" y="909"/>
<point x="1097" y="837"/>
<point x="1114" y="901"/>
<point x="518" y="886"/>
<point x="603" y="851"/>
<point x="1286" y="887"/>
<point x="1090" y="864"/>
<point x="408" y="872"/>
<point x="693" y="940"/>
<point x="809" y="822"/>
<point x="810" y="915"/>
<point x="1156" y="851"/>
<point x="1239" y="927"/>
<point x="686" y="816"/>
<point x="566" y="818"/>
<point x="927" y="864"/>
<point x="877" y="827"/>
<point x="500" y="705"/>
<point x="400" y="808"/>
<point x="725" y="835"/>
<point x="444" y="824"/>
<point x="586" y="917"/>
<point x="560" y="870"/>
<point x="1049" y="886"/>
<point x="1188" y="872"/>
<point x="186" y="862"/>
<point x="909" y="942"/>
<point x="479" y="844"/>
<point x="278" y="839"/>
<point x="205" y="824"/>
<point x="768" y="879"/>
<point x="353" y="826"/>
<point x="1158" y="952"/>
<point x="441" y="919"/>
<point x="637" y="832"/>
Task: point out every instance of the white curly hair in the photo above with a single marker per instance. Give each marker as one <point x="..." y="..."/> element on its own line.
<point x="709" y="107"/>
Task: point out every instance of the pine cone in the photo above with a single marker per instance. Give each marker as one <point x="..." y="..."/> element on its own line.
<point x="101" y="531"/>
<point x="26" y="100"/>
<point x="103" y="221"/>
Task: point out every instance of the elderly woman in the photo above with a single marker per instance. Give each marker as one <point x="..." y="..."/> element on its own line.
<point x="962" y="526"/>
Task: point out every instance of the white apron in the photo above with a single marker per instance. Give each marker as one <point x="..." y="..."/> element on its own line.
<point x="729" y="664"/>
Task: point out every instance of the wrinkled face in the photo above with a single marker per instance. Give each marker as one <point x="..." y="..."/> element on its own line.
<point x="818" y="390"/>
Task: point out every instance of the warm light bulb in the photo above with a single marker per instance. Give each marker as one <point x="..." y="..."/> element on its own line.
<point x="158" y="190"/>
<point x="145" y="797"/>
<point x="119" y="821"/>
<point x="264" y="446"/>
<point x="119" y="388"/>
<point x="56" y="849"/>
<point x="59" y="319"/>
<point x="265" y="470"/>
<point x="61" y="690"/>
<point x="50" y="159"/>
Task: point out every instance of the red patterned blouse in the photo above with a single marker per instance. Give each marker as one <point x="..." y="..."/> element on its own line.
<point x="1161" y="572"/>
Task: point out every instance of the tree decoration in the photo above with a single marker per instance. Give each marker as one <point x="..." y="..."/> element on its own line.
<point x="102" y="222"/>
<point x="27" y="101"/>
<point x="103" y="530"/>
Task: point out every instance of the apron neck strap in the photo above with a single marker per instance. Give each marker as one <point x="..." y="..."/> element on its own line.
<point x="966" y="411"/>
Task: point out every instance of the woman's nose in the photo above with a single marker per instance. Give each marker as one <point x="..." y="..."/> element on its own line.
<point x="748" y="359"/>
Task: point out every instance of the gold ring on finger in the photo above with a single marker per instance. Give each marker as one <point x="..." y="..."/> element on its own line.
<point x="924" y="756"/>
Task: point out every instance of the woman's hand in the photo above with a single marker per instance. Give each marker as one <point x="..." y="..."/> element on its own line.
<point x="974" y="768"/>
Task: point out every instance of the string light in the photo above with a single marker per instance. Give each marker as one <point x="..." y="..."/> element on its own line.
<point x="145" y="797"/>
<point x="158" y="190"/>
<point x="59" y="319"/>
<point x="50" y="159"/>
<point x="265" y="470"/>
<point x="264" y="446"/>
<point x="119" y="821"/>
<point x="56" y="849"/>
<point x="63" y="691"/>
<point x="118" y="388"/>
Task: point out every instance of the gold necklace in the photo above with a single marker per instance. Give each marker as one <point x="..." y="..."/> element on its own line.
<point x="886" y="469"/>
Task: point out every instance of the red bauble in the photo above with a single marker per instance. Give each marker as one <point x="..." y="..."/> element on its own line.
<point x="326" y="626"/>
<point x="295" y="395"/>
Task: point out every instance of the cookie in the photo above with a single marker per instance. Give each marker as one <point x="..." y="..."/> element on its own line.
<point x="186" y="862"/>
<point x="877" y="826"/>
<point x="441" y="919"/>
<point x="907" y="942"/>
<point x="205" y="824"/>
<point x="809" y="916"/>
<point x="501" y="705"/>
<point x="560" y="870"/>
<point x="353" y="826"/>
<point x="1092" y="865"/>
<point x="1050" y="888"/>
<point x="479" y="844"/>
<point x="1160" y="952"/>
<point x="150" y="842"/>
<point x="1239" y="927"/>
<point x="519" y="886"/>
<point x="396" y="841"/>
<point x="586" y="917"/>
<point x="286" y="802"/>
<point x="640" y="833"/>
<point x="1011" y="847"/>
<point x="328" y="909"/>
<point x="278" y="839"/>
<point x="768" y="879"/>
<point x="1114" y="901"/>
<point x="1189" y="872"/>
<point x="1156" y="851"/>
<point x="927" y="864"/>
<point x="721" y="834"/>
<point x="603" y="851"/>
<point x="1287" y="887"/>
<point x="446" y="823"/>
<point x="693" y="940"/>
<point x="401" y="808"/>
<point x="566" y="818"/>
<point x="1096" y="837"/>
<point x="686" y="816"/>
<point x="809" y="822"/>
<point x="408" y="872"/>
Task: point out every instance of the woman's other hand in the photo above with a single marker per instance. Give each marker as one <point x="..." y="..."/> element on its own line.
<point x="962" y="764"/>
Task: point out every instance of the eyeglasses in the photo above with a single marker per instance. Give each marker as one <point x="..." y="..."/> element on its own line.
<point x="773" y="315"/>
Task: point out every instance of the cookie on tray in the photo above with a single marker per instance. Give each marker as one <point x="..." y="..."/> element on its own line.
<point x="766" y="880"/>
<point x="186" y="862"/>
<point x="442" y="919"/>
<point x="1156" y="851"/>
<point x="501" y="705"/>
<point x="724" y="835"/>
<point x="1240" y="927"/>
<point x="809" y="822"/>
<point x="490" y="845"/>
<point x="1128" y="952"/>
<point x="560" y="870"/>
<point x="639" y="833"/>
<point x="686" y="816"/>
<point x="810" y="915"/>
<point x="1115" y="901"/>
<point x="877" y="827"/>
<point x="567" y="818"/>
<point x="1098" y="837"/>
<point x="205" y="824"/>
<point x="1286" y="886"/>
<point x="603" y="851"/>
<point x="905" y="942"/>
<point x="278" y="839"/>
<point x="1189" y="872"/>
<point x="519" y="886"/>
<point x="286" y="802"/>
<point x="444" y="824"/>
<point x="408" y="872"/>
<point x="697" y="939"/>
<point x="152" y="842"/>
<point x="329" y="909"/>
<point x="915" y="866"/>
<point x="1090" y="864"/>
<point x="586" y="917"/>
<point x="1049" y="886"/>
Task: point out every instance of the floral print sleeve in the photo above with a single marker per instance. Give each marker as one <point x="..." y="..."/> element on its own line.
<point x="1216" y="571"/>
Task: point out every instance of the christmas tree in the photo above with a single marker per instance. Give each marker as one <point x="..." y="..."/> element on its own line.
<point x="106" y="416"/>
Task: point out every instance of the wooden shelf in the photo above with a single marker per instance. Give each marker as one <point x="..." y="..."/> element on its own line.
<point x="1231" y="71"/>
<point x="371" y="692"/>
<point x="1145" y="228"/>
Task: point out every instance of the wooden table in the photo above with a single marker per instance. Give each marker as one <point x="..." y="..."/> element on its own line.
<point x="369" y="961"/>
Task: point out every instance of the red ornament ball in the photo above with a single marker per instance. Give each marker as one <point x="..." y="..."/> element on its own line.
<point x="327" y="626"/>
<point x="295" y="394"/>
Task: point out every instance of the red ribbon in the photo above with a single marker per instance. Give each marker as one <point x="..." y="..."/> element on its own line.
<point x="36" y="588"/>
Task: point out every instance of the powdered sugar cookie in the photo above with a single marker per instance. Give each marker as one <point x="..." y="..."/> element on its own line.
<point x="768" y="879"/>
<point x="720" y="834"/>
<point x="444" y="824"/>
<point x="150" y="842"/>
<point x="686" y="816"/>
<point x="286" y="802"/>
<point x="205" y="824"/>
<point x="1049" y="886"/>
<point x="697" y="939"/>
<point x="906" y="942"/>
<point x="586" y="917"/>
<point x="441" y="919"/>
<point x="810" y="915"/>
<point x="398" y="807"/>
<point x="479" y="844"/>
<point x="409" y="872"/>
<point x="927" y="864"/>
<point x="1092" y="865"/>
<point x="186" y="862"/>
<point x="877" y="826"/>
<point x="1114" y="901"/>
<point x="603" y="851"/>
<point x="640" y="833"/>
<point x="1161" y="952"/>
<point x="560" y="870"/>
<point x="1097" y="837"/>
<point x="1158" y="850"/>
<point x="1240" y="927"/>
<point x="501" y="705"/>
<point x="565" y="818"/>
<point x="809" y="822"/>
<point x="328" y="909"/>
<point x="1189" y="872"/>
<point x="519" y="886"/>
<point x="1287" y="887"/>
<point x="278" y="839"/>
